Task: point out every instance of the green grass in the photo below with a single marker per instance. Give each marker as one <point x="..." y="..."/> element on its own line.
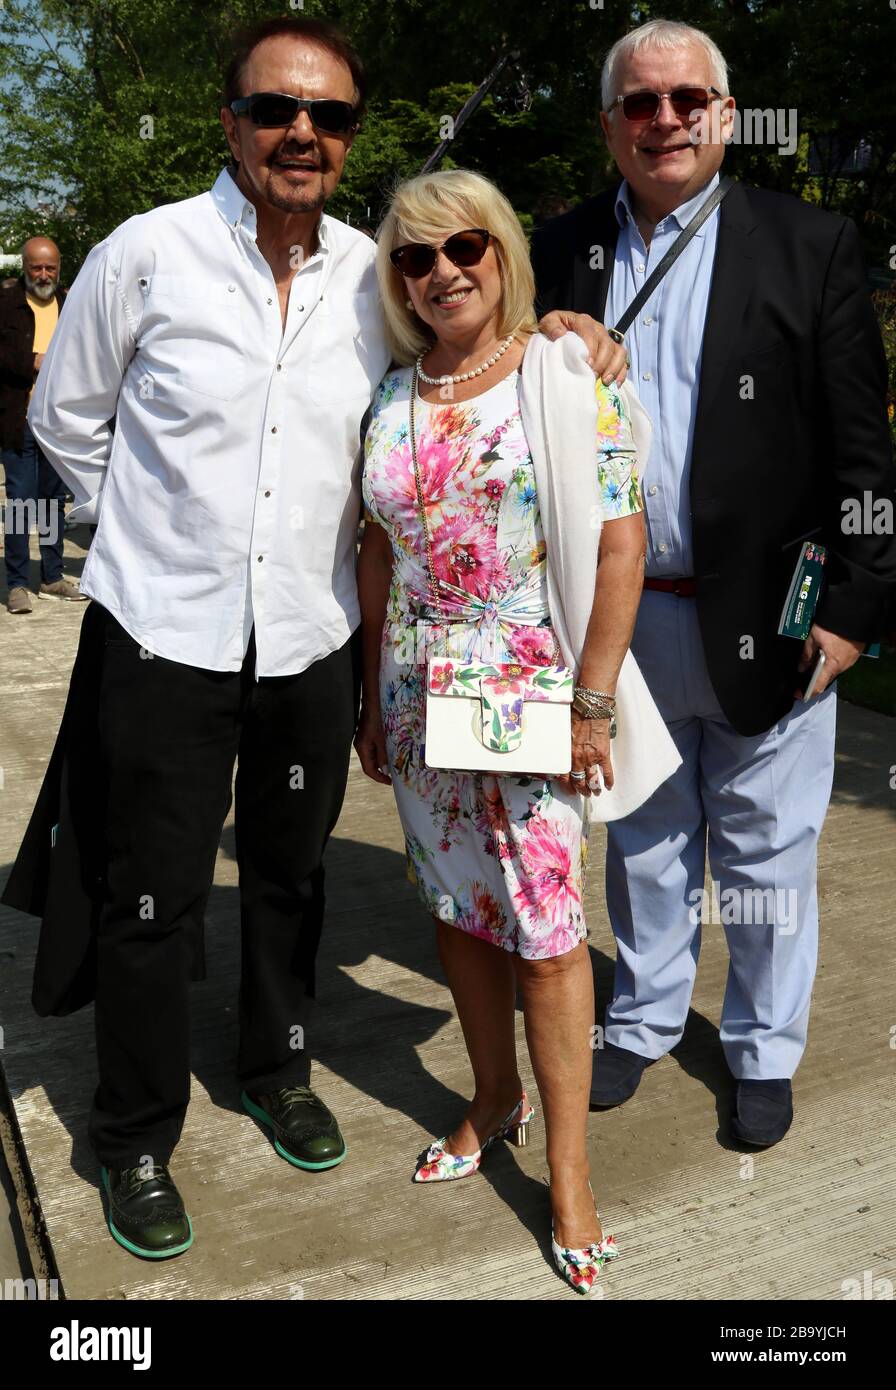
<point x="872" y="683"/>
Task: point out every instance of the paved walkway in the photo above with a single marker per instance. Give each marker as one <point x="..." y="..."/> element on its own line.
<point x="694" y="1216"/>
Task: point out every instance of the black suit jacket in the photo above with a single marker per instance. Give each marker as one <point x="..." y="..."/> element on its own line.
<point x="59" y="871"/>
<point x="16" y="359"/>
<point x="789" y="307"/>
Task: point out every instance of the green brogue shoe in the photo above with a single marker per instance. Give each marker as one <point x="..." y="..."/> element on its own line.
<point x="305" y="1131"/>
<point x="146" y="1212"/>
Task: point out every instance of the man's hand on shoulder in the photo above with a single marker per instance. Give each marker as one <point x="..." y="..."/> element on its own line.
<point x="606" y="358"/>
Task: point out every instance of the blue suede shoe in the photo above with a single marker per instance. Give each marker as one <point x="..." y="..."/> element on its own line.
<point x="763" y="1112"/>
<point x="616" y="1074"/>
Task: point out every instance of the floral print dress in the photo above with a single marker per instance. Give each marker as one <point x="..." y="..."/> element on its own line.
<point x="499" y="856"/>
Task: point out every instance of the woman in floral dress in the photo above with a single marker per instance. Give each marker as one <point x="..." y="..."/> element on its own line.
<point x="498" y="859"/>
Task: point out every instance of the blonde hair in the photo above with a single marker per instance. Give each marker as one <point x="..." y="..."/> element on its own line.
<point x="429" y="208"/>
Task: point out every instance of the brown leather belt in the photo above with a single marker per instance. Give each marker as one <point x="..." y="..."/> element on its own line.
<point x="684" y="588"/>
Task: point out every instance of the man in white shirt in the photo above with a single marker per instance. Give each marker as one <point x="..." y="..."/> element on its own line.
<point x="235" y="338"/>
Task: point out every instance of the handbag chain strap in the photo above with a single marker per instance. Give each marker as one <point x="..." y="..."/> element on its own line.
<point x="433" y="582"/>
<point x="421" y="506"/>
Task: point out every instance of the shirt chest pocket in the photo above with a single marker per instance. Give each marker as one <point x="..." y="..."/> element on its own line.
<point x="344" y="335"/>
<point x="191" y="335"/>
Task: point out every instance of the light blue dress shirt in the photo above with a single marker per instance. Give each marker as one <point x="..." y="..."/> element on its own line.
<point x="665" y="344"/>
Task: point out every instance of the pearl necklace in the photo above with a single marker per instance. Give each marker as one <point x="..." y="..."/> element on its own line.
<point x="464" y="376"/>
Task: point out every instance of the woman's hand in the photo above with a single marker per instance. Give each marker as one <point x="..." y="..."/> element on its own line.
<point x="370" y="743"/>
<point x="590" y="751"/>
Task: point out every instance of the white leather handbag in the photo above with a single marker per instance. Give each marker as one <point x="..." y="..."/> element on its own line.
<point x="491" y="716"/>
<point x="498" y="717"/>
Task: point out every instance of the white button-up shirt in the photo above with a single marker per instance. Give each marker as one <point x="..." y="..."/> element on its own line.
<point x="218" y="452"/>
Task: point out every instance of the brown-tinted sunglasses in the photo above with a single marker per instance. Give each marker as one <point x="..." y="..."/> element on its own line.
<point x="643" y="106"/>
<point x="415" y="259"/>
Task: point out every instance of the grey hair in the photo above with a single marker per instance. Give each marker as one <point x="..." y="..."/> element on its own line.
<point x="666" y="34"/>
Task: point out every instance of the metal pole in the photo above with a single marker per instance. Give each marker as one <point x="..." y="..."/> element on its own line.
<point x="468" y="108"/>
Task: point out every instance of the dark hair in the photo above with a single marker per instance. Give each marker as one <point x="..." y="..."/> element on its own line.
<point x="318" y="32"/>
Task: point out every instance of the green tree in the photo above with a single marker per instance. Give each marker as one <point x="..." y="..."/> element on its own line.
<point x="109" y="107"/>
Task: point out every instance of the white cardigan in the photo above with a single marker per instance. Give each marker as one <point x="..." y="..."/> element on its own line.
<point x="558" y="406"/>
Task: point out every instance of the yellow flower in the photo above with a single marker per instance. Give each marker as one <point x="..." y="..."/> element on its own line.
<point x="608" y="421"/>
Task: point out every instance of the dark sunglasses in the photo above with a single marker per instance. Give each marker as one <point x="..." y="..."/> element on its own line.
<point x="415" y="259"/>
<point x="279" y="109"/>
<point x="643" y="106"/>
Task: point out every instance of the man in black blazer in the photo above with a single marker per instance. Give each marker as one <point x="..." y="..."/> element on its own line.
<point x="760" y="361"/>
<point x="30" y="306"/>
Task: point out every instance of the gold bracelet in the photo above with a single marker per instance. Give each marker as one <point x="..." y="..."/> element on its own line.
<point x="602" y="695"/>
<point x="592" y="709"/>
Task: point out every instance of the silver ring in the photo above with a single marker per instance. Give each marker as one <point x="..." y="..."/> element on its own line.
<point x="577" y="776"/>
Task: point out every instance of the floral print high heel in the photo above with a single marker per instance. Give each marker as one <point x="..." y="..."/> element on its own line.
<point x="436" y="1165"/>
<point x="580" y="1268"/>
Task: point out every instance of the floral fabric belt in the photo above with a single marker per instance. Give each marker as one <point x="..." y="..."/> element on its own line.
<point x="475" y="628"/>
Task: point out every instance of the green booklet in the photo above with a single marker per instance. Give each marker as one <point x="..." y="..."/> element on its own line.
<point x="802" y="597"/>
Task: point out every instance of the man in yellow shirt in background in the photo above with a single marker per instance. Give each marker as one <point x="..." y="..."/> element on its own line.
<point x="35" y="495"/>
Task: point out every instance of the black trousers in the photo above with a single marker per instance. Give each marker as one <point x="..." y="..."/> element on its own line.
<point x="170" y="735"/>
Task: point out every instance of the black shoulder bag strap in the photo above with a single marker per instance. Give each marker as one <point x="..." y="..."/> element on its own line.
<point x="671" y="256"/>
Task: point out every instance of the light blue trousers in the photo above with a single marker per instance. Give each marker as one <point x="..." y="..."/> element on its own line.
<point x="756" y="805"/>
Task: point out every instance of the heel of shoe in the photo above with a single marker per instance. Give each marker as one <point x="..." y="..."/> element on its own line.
<point x="516" y="1127"/>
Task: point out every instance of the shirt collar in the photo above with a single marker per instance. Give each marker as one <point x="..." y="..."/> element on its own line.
<point x="680" y="215"/>
<point x="238" y="211"/>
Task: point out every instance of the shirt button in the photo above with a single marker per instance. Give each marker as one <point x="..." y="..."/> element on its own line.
<point x="231" y="288"/>
<point x="647" y="376"/>
<point x="261" y="557"/>
<point x="273" y="429"/>
<point x="270" y="301"/>
<point x="662" y="547"/>
<point x="267" y="494"/>
<point x="640" y="269"/>
<point x="279" y="367"/>
<point x="648" y="320"/>
<point x="301" y="308"/>
<point x="651" y="491"/>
